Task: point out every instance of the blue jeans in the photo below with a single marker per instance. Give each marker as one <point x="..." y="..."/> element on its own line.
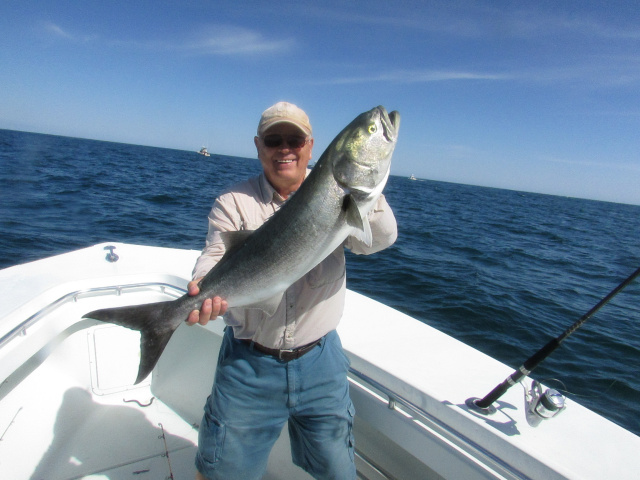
<point x="254" y="394"/>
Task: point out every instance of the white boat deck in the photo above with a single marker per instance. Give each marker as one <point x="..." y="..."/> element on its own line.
<point x="81" y="418"/>
<point x="66" y="395"/>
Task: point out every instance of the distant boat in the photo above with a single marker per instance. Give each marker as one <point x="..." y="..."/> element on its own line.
<point x="203" y="151"/>
<point x="412" y="177"/>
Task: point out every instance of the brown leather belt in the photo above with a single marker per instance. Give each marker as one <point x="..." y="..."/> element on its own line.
<point x="285" y="355"/>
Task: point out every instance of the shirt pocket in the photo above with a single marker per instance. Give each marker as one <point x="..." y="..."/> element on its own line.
<point x="330" y="270"/>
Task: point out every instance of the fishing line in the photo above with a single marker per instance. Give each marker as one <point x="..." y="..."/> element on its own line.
<point x="550" y="381"/>
<point x="566" y="391"/>
<point x="532" y="362"/>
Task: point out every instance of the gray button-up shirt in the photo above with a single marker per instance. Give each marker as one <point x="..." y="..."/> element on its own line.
<point x="313" y="305"/>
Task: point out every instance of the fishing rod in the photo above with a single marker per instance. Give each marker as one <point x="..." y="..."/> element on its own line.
<point x="484" y="404"/>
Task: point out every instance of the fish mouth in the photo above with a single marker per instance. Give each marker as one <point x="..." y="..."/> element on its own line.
<point x="390" y="123"/>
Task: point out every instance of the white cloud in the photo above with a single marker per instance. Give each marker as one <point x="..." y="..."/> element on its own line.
<point x="420" y="76"/>
<point x="211" y="40"/>
<point x="601" y="72"/>
<point x="58" y="31"/>
<point x="471" y="19"/>
<point x="230" y="40"/>
<point x="613" y="164"/>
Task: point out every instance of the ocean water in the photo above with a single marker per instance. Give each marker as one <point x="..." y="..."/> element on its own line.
<point x="500" y="270"/>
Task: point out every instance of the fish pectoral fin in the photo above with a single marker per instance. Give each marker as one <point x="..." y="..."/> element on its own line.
<point x="268" y="306"/>
<point x="364" y="235"/>
<point x="358" y="220"/>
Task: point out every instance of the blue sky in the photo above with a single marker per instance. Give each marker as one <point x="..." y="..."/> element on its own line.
<point x="534" y="96"/>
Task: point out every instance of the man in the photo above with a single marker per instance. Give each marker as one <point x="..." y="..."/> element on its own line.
<point x="289" y="367"/>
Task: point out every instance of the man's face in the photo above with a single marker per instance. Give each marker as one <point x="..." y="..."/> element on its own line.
<point x="284" y="166"/>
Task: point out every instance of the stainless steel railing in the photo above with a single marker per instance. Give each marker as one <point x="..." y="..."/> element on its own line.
<point x="22" y="327"/>
<point x="436" y="427"/>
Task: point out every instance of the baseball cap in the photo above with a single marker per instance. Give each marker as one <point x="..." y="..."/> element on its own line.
<point x="284" y="112"/>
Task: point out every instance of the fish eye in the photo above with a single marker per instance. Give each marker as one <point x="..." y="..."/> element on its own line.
<point x="372" y="128"/>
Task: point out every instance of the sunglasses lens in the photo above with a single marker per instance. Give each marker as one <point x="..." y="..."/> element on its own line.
<point x="294" y="141"/>
<point x="272" y="141"/>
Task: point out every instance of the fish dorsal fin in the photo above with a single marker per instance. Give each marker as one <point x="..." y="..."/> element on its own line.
<point x="358" y="220"/>
<point x="233" y="239"/>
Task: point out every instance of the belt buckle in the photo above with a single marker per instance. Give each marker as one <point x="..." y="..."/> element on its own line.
<point x="288" y="350"/>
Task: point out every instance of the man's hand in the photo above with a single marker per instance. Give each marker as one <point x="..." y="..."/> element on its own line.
<point x="211" y="307"/>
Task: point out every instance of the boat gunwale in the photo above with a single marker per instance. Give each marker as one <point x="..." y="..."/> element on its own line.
<point x="21" y="328"/>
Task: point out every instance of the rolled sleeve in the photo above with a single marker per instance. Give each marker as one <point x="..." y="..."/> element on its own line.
<point x="224" y="217"/>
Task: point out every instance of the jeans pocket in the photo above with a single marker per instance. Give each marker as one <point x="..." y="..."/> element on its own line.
<point x="210" y="440"/>
<point x="351" y="440"/>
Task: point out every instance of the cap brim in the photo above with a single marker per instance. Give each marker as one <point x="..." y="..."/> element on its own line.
<point x="267" y="125"/>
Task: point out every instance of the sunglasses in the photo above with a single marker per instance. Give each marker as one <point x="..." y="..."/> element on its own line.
<point x="293" y="141"/>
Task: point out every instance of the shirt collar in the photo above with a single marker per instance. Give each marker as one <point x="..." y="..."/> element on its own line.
<point x="268" y="194"/>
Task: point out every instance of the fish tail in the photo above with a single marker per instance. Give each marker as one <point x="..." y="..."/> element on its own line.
<point x="150" y="321"/>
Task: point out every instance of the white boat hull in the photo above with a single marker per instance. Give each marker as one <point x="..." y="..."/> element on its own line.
<point x="67" y="383"/>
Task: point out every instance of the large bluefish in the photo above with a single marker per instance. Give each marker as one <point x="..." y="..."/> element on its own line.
<point x="332" y="204"/>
